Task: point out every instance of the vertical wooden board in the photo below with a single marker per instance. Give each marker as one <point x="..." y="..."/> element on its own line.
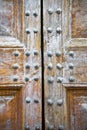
<point x="52" y="25"/>
<point x="33" y="64"/>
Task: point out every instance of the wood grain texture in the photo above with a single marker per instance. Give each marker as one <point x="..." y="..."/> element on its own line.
<point x="79" y="19"/>
<point x="33" y="115"/>
<point x="52" y="44"/>
<point x="11" y="107"/>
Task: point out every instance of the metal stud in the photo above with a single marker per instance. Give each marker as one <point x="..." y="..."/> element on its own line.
<point x="49" y="30"/>
<point x="26" y="79"/>
<point x="36" y="66"/>
<point x="58" y="53"/>
<point x="35" y="13"/>
<point x="28" y="31"/>
<point x="58" y="11"/>
<point x="15" y="66"/>
<point x="61" y="127"/>
<point x="59" y="66"/>
<point x="36" y="52"/>
<point x="58" y="30"/>
<point x="50" y="54"/>
<point x="37" y="128"/>
<point x="71" y="65"/>
<point x="16" y="53"/>
<point x="27" y="66"/>
<point x="51" y="127"/>
<point x="27" y="53"/>
<point x="27" y="13"/>
<point x="27" y="127"/>
<point x="50" y="11"/>
<point x="50" y="102"/>
<point x="51" y="80"/>
<point x="59" y="79"/>
<point x="36" y="100"/>
<point x="36" y="78"/>
<point x="35" y="30"/>
<point x="50" y="66"/>
<point x="71" y="79"/>
<point x="28" y="100"/>
<point x="71" y="53"/>
<point x="15" y="78"/>
<point x="59" y="102"/>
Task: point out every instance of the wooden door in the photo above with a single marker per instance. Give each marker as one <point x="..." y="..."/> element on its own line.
<point x="43" y="82"/>
<point x="12" y="87"/>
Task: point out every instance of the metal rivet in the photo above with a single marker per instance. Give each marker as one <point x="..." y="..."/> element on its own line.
<point x="35" y="13"/>
<point x="59" y="66"/>
<point x="49" y="30"/>
<point x="16" y="53"/>
<point x="58" y="30"/>
<point x="58" y="53"/>
<point x="71" y="65"/>
<point x="50" y="66"/>
<point x="61" y="127"/>
<point x="26" y="127"/>
<point x="28" y="100"/>
<point x="58" y="11"/>
<point x="36" y="78"/>
<point x="51" y="80"/>
<point x="35" y="30"/>
<point x="27" y="13"/>
<point x="50" y="54"/>
<point x="71" y="79"/>
<point x="27" y="66"/>
<point x="15" y="78"/>
<point x="59" y="79"/>
<point x="15" y="66"/>
<point x="71" y="53"/>
<point x="28" y="31"/>
<point x="50" y="11"/>
<point x="27" y="53"/>
<point x="51" y="127"/>
<point x="37" y="128"/>
<point x="26" y="79"/>
<point x="36" y="100"/>
<point x="60" y="102"/>
<point x="36" y="52"/>
<point x="36" y="66"/>
<point x="50" y="102"/>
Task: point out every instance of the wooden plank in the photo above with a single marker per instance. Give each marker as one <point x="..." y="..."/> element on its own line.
<point x="33" y="117"/>
<point x="52" y="24"/>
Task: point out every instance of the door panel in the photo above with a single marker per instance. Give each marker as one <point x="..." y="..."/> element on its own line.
<point x="52" y="25"/>
<point x="75" y="64"/>
<point x="79" y="19"/>
<point x="11" y="107"/>
<point x="76" y="107"/>
<point x="33" y="70"/>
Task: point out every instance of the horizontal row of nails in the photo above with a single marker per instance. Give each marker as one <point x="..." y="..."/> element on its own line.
<point x="35" y="13"/>
<point x="27" y="66"/>
<point x="60" y="79"/>
<point x="50" y="127"/>
<point x="27" y="127"/>
<point x="28" y="100"/>
<point x="35" y="52"/>
<point x="58" y="102"/>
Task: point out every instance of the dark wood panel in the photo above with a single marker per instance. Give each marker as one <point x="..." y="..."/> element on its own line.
<point x="79" y="18"/>
<point x="11" y="108"/>
<point x="77" y="108"/>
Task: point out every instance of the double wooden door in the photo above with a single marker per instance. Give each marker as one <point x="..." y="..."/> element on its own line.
<point x="43" y="65"/>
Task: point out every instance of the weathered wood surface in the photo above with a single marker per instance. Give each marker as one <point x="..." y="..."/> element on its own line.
<point x="75" y="64"/>
<point x="52" y="18"/>
<point x="79" y="18"/>
<point x="11" y="107"/>
<point x="11" y="18"/>
<point x="33" y="117"/>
